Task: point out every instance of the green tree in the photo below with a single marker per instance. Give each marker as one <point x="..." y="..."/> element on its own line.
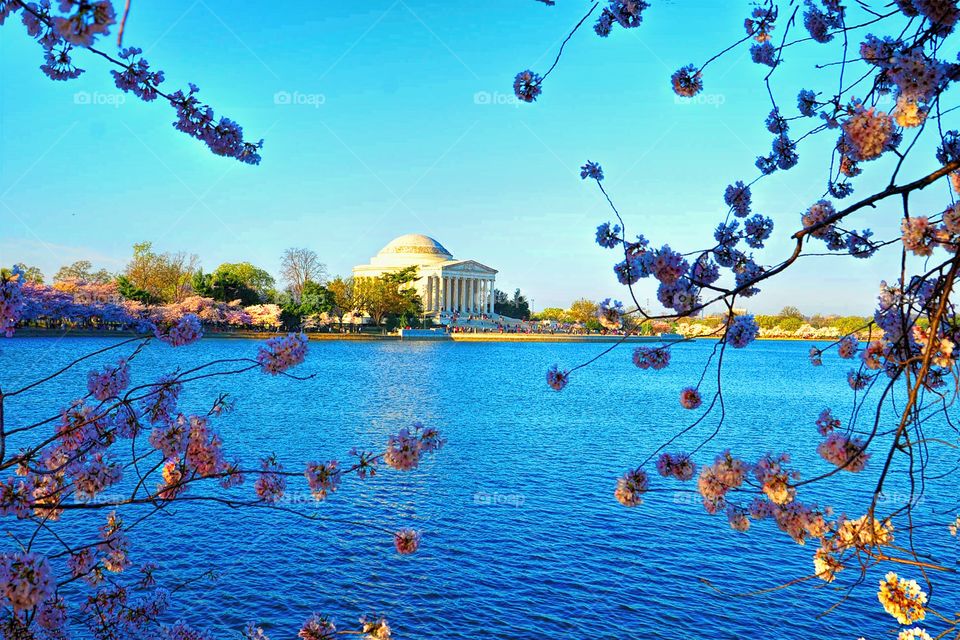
<point x="792" y="312"/>
<point x="849" y="324"/>
<point x="252" y="277"/>
<point x="516" y="307"/>
<point x="767" y="322"/>
<point x="341" y="291"/>
<point x="390" y="294"/>
<point x="131" y="292"/>
<point x="550" y="313"/>
<point x="583" y="310"/>
<point x="200" y="283"/>
<point x="791" y="324"/>
<point x="31" y="274"/>
<point x="82" y="271"/>
<point x="165" y="276"/>
<point x="315" y="299"/>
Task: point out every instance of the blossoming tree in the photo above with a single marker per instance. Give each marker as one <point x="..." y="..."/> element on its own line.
<point x="907" y="368"/>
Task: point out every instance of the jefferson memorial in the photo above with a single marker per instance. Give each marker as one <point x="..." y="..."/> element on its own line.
<point x="445" y="285"/>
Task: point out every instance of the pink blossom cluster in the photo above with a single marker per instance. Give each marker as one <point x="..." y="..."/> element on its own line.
<point x="716" y="480"/>
<point x="743" y="330"/>
<point x="375" y="628"/>
<point x="405" y="449"/>
<point x="761" y="23"/>
<point x="678" y="466"/>
<point x="817" y="214"/>
<point x="874" y="355"/>
<point x="110" y="381"/>
<point x="52" y="616"/>
<point x="774" y="478"/>
<point x="406" y="541"/>
<point x="173" y="479"/>
<point x="204" y="449"/>
<point x="687" y="81"/>
<point x="283" y="352"/>
<point x="11" y="300"/>
<point x="316" y="627"/>
<point x="917" y="77"/>
<point x="47" y="490"/>
<point x="15" y="498"/>
<point x="908" y="113"/>
<point x="738" y="518"/>
<point x="93" y="474"/>
<point x="25" y="580"/>
<point x="115" y="545"/>
<point x="271" y="484"/>
<point x="816" y="357"/>
<point x="943" y="355"/>
<point x="171" y="438"/>
<point x="690" y="398"/>
<point x="83" y="564"/>
<point x="867" y="133"/>
<point x="610" y="314"/>
<point x="919" y="235"/>
<point x="667" y="265"/>
<point x="81" y="427"/>
<point x="848" y="346"/>
<point x="556" y="378"/>
<point x="186" y="330"/>
<point x="857" y="380"/>
<point x="655" y="358"/>
<point x="323" y="478"/>
<point x="90" y="20"/>
<point x="942" y="14"/>
<point x="800" y="521"/>
<point x="951" y="216"/>
<point x="160" y="406"/>
<point x="844" y="452"/>
<point x="631" y="486"/>
<point x="826" y="423"/>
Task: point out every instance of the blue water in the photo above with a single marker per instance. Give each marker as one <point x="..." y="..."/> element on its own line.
<point x="521" y="535"/>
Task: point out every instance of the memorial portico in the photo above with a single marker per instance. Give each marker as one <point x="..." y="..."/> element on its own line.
<point x="445" y="285"/>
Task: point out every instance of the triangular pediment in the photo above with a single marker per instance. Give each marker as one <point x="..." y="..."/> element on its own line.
<point x="466" y="266"/>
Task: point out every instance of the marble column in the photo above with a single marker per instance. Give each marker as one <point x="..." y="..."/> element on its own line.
<point x="471" y="288"/>
<point x="490" y="298"/>
<point x="428" y="295"/>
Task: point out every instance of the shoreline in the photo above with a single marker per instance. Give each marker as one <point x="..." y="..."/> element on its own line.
<point x="36" y="332"/>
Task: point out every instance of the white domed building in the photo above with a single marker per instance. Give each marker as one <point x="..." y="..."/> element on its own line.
<point x="446" y="286"/>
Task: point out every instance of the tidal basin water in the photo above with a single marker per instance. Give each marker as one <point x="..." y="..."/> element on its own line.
<point x="522" y="537"/>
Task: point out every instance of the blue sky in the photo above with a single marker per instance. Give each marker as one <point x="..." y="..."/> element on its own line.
<point x="401" y="119"/>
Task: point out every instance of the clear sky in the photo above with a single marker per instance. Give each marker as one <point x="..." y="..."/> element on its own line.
<point x="401" y="119"/>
